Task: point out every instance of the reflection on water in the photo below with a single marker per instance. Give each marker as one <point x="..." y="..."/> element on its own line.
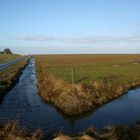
<point x="24" y="104"/>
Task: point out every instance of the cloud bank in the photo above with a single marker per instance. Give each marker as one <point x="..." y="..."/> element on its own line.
<point x="34" y="38"/>
<point x="132" y="38"/>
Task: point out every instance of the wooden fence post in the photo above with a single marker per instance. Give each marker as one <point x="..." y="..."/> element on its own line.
<point x="72" y="75"/>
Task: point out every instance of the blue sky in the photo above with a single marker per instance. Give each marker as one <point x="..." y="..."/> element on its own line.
<point x="70" y="26"/>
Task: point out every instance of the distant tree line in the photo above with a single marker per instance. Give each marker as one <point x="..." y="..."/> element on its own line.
<point x="6" y="51"/>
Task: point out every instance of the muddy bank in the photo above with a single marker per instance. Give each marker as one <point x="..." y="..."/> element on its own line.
<point x="10" y="76"/>
<point x="79" y="98"/>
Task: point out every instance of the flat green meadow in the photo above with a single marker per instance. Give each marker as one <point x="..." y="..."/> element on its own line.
<point x="86" y="68"/>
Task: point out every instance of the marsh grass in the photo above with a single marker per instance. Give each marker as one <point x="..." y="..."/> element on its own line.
<point x="13" y="131"/>
<point x="9" y="77"/>
<point x="121" y="132"/>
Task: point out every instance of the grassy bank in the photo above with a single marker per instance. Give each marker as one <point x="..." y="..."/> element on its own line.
<point x="12" y="131"/>
<point x="98" y="79"/>
<point x="8" y="57"/>
<point x="123" y="132"/>
<point x="9" y="76"/>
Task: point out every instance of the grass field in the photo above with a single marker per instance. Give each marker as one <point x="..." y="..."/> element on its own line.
<point x="8" y="57"/>
<point x="98" y="79"/>
<point x="91" y="67"/>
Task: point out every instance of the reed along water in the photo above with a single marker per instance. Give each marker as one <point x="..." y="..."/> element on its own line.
<point x="23" y="104"/>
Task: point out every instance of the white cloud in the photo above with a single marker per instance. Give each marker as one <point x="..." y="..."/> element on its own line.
<point x="34" y="38"/>
<point x="106" y="39"/>
<point x="92" y="39"/>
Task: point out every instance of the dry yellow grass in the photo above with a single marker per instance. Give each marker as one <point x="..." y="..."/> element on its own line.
<point x="10" y="76"/>
<point x="124" y="132"/>
<point x="12" y="131"/>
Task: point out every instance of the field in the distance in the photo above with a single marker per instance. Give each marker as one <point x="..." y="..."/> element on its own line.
<point x="91" y="67"/>
<point x="8" y="57"/>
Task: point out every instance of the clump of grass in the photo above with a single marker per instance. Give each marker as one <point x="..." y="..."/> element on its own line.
<point x="10" y="76"/>
<point x="12" y="131"/>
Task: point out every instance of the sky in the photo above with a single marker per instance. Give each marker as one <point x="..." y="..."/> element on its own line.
<point x="70" y="26"/>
